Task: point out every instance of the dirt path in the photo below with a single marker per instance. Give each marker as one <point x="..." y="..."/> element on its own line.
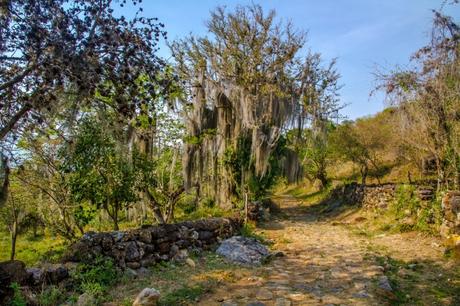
<point x="324" y="264"/>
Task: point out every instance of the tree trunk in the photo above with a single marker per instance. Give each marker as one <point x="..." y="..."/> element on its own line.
<point x="322" y="176"/>
<point x="364" y="171"/>
<point x="155" y="208"/>
<point x="6" y="180"/>
<point x="14" y="234"/>
<point x="115" y="217"/>
<point x="174" y="198"/>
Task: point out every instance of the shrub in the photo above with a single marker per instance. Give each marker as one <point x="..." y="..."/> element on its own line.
<point x="427" y="215"/>
<point x="18" y="299"/>
<point x="50" y="296"/>
<point x="95" y="277"/>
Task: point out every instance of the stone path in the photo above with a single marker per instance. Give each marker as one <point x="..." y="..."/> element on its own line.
<point x="323" y="265"/>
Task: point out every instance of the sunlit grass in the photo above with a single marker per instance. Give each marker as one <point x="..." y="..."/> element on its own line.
<point x="32" y="250"/>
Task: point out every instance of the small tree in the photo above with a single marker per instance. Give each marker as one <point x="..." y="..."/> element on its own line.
<point x="428" y="96"/>
<point x="98" y="172"/>
<point x="348" y="144"/>
<point x="15" y="213"/>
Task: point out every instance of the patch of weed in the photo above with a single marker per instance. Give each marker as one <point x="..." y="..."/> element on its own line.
<point x="95" y="277"/>
<point x="18" y="299"/>
<point x="50" y="296"/>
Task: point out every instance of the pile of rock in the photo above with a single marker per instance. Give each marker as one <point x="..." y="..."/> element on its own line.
<point x="15" y="271"/>
<point x="426" y="193"/>
<point x="375" y="196"/>
<point x="258" y="211"/>
<point x="368" y="196"/>
<point x="451" y="214"/>
<point x="148" y="245"/>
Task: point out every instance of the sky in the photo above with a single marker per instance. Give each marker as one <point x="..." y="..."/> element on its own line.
<point x="364" y="35"/>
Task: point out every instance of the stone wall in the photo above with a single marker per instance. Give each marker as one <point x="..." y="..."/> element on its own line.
<point x="148" y="245"/>
<point x="451" y="214"/>
<point x="375" y="196"/>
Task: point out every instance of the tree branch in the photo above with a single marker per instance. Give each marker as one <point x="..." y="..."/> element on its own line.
<point x="12" y="122"/>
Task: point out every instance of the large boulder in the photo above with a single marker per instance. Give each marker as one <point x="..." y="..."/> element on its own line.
<point x="15" y="270"/>
<point x="12" y="271"/>
<point x="243" y="250"/>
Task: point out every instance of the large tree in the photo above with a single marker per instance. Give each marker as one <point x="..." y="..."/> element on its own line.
<point x="79" y="50"/>
<point x="428" y="96"/>
<point x="240" y="94"/>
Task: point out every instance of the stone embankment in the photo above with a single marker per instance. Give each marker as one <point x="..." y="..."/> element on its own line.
<point x="129" y="249"/>
<point x="148" y="245"/>
<point x="375" y="196"/>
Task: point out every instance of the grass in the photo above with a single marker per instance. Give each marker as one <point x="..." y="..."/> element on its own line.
<point x="410" y="288"/>
<point x="180" y="284"/>
<point x="305" y="192"/>
<point x="32" y="250"/>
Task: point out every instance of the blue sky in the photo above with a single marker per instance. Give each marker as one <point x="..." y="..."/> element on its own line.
<point x="362" y="34"/>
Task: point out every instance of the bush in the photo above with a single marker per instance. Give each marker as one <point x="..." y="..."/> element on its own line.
<point x="427" y="215"/>
<point x="50" y="296"/>
<point x="405" y="200"/>
<point x="95" y="277"/>
<point x="18" y="298"/>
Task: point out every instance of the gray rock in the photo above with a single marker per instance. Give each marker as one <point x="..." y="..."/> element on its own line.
<point x="133" y="252"/>
<point x="384" y="284"/>
<point x="282" y="302"/>
<point x="131" y="273"/>
<point x="86" y="299"/>
<point x="243" y="250"/>
<point x="36" y="275"/>
<point x="147" y="297"/>
<point x="264" y="294"/>
<point x="361" y="295"/>
<point x="180" y="256"/>
<point x="56" y="273"/>
<point x="14" y="271"/>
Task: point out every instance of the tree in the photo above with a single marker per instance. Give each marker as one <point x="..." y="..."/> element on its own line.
<point x="16" y="213"/>
<point x="243" y="85"/>
<point x="319" y="107"/>
<point x="53" y="52"/>
<point x="350" y="143"/>
<point x="99" y="173"/>
<point x="5" y="179"/>
<point x="428" y="96"/>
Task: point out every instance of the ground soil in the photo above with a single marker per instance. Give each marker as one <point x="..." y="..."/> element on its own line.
<point x="329" y="261"/>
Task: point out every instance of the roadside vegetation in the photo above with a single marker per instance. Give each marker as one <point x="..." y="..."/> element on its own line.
<point x="99" y="133"/>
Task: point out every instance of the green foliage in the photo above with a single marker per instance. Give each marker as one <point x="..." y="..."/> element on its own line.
<point x="50" y="296"/>
<point x="426" y="215"/>
<point x="95" y="277"/>
<point x="239" y="163"/>
<point x="191" y="139"/>
<point x="98" y="173"/>
<point x="405" y="201"/>
<point x="184" y="294"/>
<point x="18" y="299"/>
<point x="33" y="250"/>
<point x="205" y="212"/>
<point x="249" y="230"/>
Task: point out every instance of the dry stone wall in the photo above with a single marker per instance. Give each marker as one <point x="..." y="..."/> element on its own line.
<point x="451" y="214"/>
<point x="375" y="196"/>
<point x="148" y="245"/>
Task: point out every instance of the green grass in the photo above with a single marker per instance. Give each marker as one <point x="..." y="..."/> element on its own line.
<point x="308" y="194"/>
<point x="410" y="289"/>
<point x="32" y="250"/>
<point x="184" y="294"/>
<point x="179" y="284"/>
